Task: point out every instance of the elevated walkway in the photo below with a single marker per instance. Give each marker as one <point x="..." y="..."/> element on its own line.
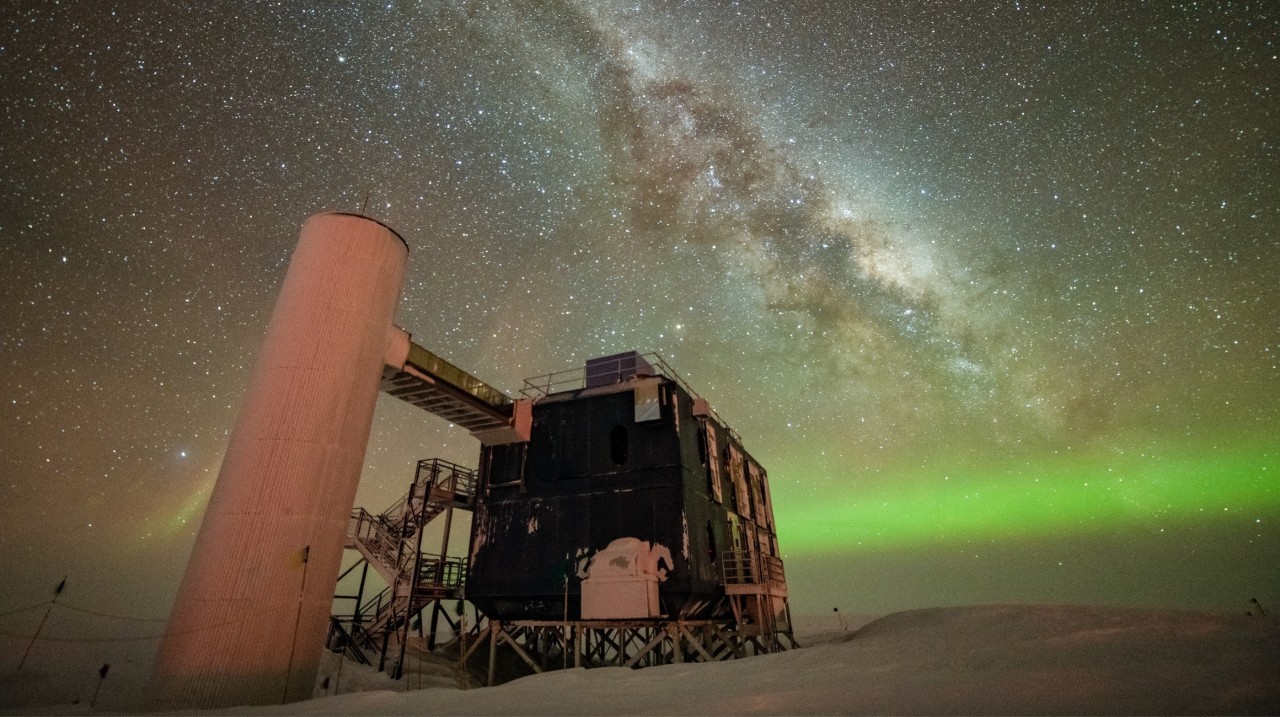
<point x="423" y="379"/>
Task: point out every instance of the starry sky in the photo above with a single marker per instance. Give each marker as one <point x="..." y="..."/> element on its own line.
<point x="989" y="288"/>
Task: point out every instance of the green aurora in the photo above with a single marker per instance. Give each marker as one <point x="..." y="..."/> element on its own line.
<point x="1033" y="499"/>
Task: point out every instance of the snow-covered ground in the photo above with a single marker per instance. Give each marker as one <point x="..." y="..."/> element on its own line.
<point x="946" y="661"/>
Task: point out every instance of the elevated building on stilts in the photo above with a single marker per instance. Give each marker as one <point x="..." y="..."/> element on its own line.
<point x="617" y="520"/>
<point x="634" y="515"/>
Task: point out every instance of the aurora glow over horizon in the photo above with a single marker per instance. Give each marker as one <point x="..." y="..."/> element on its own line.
<point x="1046" y="499"/>
<point x="989" y="288"/>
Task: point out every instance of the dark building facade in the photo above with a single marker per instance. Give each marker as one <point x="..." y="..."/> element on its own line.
<point x="631" y="500"/>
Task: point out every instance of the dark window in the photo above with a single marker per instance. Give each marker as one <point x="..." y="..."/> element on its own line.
<point x="702" y="445"/>
<point x="618" y="445"/>
<point x="711" y="542"/>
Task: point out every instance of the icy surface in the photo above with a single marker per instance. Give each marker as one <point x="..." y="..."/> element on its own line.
<point x="948" y="661"/>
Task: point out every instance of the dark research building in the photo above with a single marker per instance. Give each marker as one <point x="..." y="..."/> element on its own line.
<point x="630" y="501"/>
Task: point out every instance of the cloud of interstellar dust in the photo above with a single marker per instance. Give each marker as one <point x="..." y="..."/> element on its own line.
<point x="878" y="307"/>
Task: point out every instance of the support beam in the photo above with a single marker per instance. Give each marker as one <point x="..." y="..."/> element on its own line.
<point x="495" y="627"/>
<point x="677" y="654"/>
<point x="467" y="652"/>
<point x="625" y="643"/>
<point x="504" y="637"/>
<point x="696" y="644"/>
<point x="659" y="636"/>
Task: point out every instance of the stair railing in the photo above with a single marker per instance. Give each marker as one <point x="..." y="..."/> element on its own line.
<point x="749" y="567"/>
<point x="391" y="539"/>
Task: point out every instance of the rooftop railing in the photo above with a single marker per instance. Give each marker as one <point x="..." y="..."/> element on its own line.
<point x="573" y="379"/>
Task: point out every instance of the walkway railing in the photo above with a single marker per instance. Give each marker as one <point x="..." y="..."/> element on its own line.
<point x="746" y="567"/>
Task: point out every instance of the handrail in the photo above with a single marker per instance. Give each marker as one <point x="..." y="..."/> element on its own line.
<point x="748" y="567"/>
<point x="374" y="607"/>
<point x="572" y="379"/>
<point x="387" y="536"/>
<point x="456" y="377"/>
<point x="382" y="538"/>
<point x="348" y="644"/>
<point x="438" y="472"/>
<point x="437" y="571"/>
<point x="397" y="508"/>
<point x="391" y="540"/>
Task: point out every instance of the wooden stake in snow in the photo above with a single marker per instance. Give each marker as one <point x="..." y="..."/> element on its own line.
<point x="102" y="675"/>
<point x="56" y="592"/>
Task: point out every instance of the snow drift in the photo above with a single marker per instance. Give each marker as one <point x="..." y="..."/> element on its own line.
<point x="1034" y="660"/>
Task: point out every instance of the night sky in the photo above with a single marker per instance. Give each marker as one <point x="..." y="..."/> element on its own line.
<point x="989" y="288"/>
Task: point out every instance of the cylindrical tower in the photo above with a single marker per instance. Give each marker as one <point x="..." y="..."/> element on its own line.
<point x="250" y="618"/>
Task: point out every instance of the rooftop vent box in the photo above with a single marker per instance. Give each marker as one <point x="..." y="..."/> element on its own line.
<point x="608" y="370"/>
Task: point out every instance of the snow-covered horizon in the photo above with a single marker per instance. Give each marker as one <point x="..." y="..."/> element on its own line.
<point x="989" y="659"/>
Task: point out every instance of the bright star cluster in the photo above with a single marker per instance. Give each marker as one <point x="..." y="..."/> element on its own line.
<point x="988" y="287"/>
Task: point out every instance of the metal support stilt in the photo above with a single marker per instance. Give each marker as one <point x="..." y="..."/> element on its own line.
<point x="494" y="628"/>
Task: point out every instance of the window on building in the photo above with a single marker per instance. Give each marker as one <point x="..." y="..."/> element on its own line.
<point x="618" y="445"/>
<point x="702" y="446"/>
<point x="712" y="554"/>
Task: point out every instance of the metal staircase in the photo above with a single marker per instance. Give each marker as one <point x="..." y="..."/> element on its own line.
<point x="390" y="542"/>
<point x="756" y="586"/>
